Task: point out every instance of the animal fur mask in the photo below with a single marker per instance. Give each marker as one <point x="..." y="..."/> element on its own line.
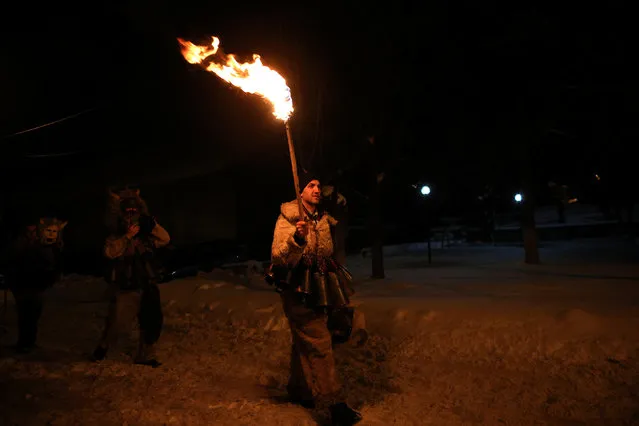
<point x="50" y="231"/>
<point x="118" y="200"/>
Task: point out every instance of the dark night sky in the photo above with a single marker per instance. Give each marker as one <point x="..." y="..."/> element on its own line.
<point x="450" y="91"/>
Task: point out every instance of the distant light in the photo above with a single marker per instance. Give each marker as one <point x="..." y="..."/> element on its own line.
<point x="597" y="177"/>
<point x="519" y="198"/>
<point x="425" y="190"/>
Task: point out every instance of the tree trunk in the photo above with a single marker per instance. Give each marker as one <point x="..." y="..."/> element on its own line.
<point x="376" y="233"/>
<point x="531" y="250"/>
<point x="376" y="229"/>
<point x="529" y="231"/>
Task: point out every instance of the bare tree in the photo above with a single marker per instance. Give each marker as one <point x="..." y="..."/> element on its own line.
<point x="376" y="228"/>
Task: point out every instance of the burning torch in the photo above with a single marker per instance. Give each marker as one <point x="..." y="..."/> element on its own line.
<point x="251" y="77"/>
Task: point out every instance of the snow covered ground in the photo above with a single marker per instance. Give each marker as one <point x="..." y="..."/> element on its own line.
<point x="475" y="338"/>
<point x="576" y="214"/>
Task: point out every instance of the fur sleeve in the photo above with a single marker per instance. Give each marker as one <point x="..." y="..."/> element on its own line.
<point x="285" y="251"/>
<point x="161" y="237"/>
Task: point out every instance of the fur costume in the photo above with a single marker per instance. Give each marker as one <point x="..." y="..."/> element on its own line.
<point x="315" y="294"/>
<point x="118" y="248"/>
<point x="134" y="272"/>
<point x="36" y="264"/>
<point x="309" y="269"/>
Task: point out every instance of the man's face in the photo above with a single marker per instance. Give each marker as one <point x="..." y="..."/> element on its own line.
<point x="312" y="192"/>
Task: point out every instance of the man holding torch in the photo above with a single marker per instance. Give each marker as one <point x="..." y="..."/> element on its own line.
<point x="314" y="291"/>
<point x="313" y="286"/>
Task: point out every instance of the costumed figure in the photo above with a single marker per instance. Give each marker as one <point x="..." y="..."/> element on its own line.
<point x="133" y="273"/>
<point x="34" y="265"/>
<point x="315" y="292"/>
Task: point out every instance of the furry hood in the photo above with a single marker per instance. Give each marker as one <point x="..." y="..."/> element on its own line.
<point x="114" y="212"/>
<point x="291" y="213"/>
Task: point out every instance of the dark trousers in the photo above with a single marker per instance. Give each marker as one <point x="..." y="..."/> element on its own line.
<point x="313" y="375"/>
<point x="29" y="307"/>
<point x="123" y="309"/>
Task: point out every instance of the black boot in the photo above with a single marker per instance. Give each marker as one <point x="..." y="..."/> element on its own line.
<point x="309" y="404"/>
<point x="153" y="363"/>
<point x="343" y="415"/>
<point x="99" y="354"/>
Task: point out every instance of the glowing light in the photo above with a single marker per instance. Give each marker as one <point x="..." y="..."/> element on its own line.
<point x="252" y="77"/>
<point x="425" y="190"/>
<point x="519" y="198"/>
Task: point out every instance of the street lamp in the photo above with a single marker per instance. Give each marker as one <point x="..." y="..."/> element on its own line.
<point x="425" y="191"/>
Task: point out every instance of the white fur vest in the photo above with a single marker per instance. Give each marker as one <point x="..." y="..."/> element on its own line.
<point x="319" y="242"/>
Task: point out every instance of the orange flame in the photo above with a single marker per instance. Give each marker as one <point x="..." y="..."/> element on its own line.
<point x="252" y="77"/>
